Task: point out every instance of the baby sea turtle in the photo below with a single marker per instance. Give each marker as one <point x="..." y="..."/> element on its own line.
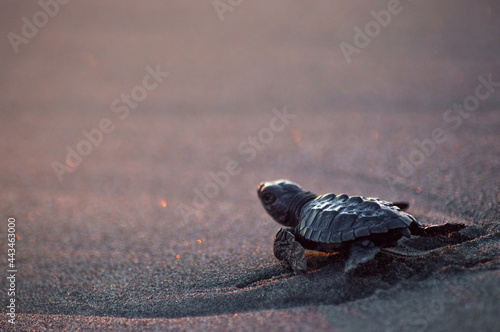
<point x="331" y="223"/>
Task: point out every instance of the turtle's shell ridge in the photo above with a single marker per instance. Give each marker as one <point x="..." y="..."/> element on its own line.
<point x="335" y="219"/>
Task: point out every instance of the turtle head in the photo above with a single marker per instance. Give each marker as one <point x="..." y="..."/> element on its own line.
<point x="277" y="198"/>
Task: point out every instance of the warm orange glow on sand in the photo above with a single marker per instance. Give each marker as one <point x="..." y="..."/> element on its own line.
<point x="374" y="134"/>
<point x="297" y="136"/>
<point x="163" y="203"/>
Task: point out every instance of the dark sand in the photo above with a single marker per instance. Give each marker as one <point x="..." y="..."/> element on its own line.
<point x="110" y="246"/>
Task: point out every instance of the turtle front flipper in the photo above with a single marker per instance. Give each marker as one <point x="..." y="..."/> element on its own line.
<point x="360" y="252"/>
<point x="289" y="251"/>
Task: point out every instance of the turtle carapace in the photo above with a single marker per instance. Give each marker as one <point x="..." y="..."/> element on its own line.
<point x="331" y="223"/>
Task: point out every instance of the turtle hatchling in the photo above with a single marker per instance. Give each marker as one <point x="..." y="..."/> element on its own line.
<point x="332" y="223"/>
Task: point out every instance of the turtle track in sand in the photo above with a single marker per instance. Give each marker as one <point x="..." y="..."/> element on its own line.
<point x="412" y="261"/>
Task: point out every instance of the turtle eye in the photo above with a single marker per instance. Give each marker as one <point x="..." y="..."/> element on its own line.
<point x="268" y="198"/>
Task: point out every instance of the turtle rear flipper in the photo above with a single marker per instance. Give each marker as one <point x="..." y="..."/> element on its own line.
<point x="436" y="230"/>
<point x="289" y="251"/>
<point x="360" y="252"/>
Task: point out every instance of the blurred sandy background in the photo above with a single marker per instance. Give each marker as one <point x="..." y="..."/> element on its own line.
<point x="112" y="231"/>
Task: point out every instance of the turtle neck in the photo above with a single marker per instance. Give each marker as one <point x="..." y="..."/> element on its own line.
<point x="296" y="204"/>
